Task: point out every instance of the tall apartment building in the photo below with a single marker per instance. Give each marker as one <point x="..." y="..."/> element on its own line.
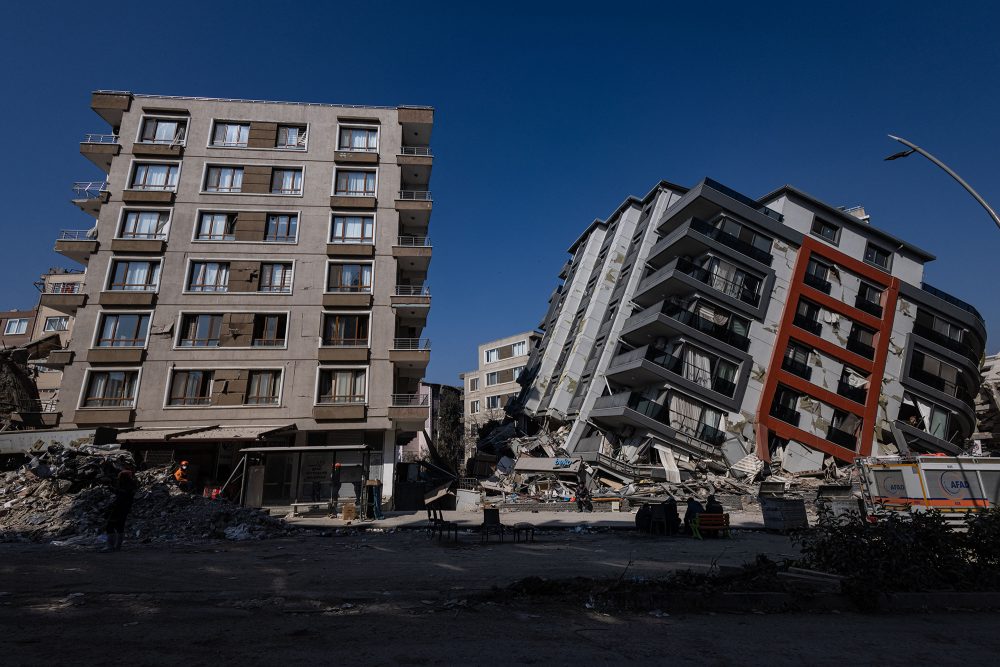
<point x="701" y="323"/>
<point x="61" y="293"/>
<point x="256" y="276"/>
<point x="489" y="387"/>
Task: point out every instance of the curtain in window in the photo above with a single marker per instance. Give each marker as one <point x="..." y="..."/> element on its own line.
<point x="697" y="367"/>
<point x="723" y="278"/>
<point x="145" y="224"/>
<point x="209" y="276"/>
<point x="684" y="414"/>
<point x="166" y="130"/>
<point x="137" y="276"/>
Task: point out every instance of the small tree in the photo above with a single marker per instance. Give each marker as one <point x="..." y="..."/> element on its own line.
<point x="449" y="441"/>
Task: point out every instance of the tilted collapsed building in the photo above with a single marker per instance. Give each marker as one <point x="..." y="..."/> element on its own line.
<point x="703" y="324"/>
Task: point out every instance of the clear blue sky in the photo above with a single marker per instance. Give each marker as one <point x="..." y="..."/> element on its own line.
<point x="546" y="119"/>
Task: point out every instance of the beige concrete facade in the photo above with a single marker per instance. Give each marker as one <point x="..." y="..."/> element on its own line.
<point x="291" y="167"/>
<point x="62" y="294"/>
<point x="488" y="388"/>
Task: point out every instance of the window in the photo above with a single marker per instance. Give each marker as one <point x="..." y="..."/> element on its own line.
<point x="286" y="181"/>
<point x="493" y="402"/>
<point x="154" y="176"/>
<point x="216" y="227"/>
<point x="473" y="384"/>
<point x="861" y="340"/>
<point x="275" y="278"/>
<point x="191" y="388"/>
<point x="281" y="228"/>
<point x="57" y="323"/>
<point x="817" y="269"/>
<point x="345" y="330"/>
<point x="163" y="131"/>
<point x="732" y="281"/>
<point x="870" y="294"/>
<point x="231" y="134"/>
<point x="134" y="275"/>
<point x="269" y="330"/>
<point x="352" y="229"/>
<point x="492" y="378"/>
<point x="878" y="257"/>
<point x="517" y="371"/>
<point x="224" y="179"/>
<point x="209" y="277"/>
<point x="144" y="225"/>
<point x="201" y="330"/>
<point x="111" y="389"/>
<point x="474" y="407"/>
<point x="291" y="136"/>
<point x="358" y="139"/>
<point x="491" y="356"/>
<point x="122" y="330"/>
<point x="340" y="386"/>
<point x="825" y="230"/>
<point x="349" y="278"/>
<point x="519" y="349"/>
<point x="356" y="183"/>
<point x="744" y="233"/>
<point x="263" y="388"/>
<point x="16" y="327"/>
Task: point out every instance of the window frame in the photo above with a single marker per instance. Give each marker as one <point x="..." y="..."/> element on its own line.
<point x="474" y="383"/>
<point x="99" y="327"/>
<point x="211" y="385"/>
<point x="189" y="276"/>
<point x="290" y="215"/>
<point x="88" y="375"/>
<point x="305" y="131"/>
<point x="126" y="210"/>
<point x="177" y="118"/>
<point x="818" y="221"/>
<point x="292" y="193"/>
<point x="135" y="163"/>
<point x="287" y="276"/>
<point x="179" y="326"/>
<point x="211" y="134"/>
<point x="888" y="253"/>
<point x="321" y="369"/>
<point x="352" y="214"/>
<point x="207" y="189"/>
<point x="6" y="327"/>
<point x="495" y="376"/>
<point x="181" y="330"/>
<point x="211" y="211"/>
<point x="331" y="262"/>
<point x="360" y="126"/>
<point x="498" y="406"/>
<point x="113" y="260"/>
<point x="45" y="323"/>
<point x="279" y="383"/>
<point x="338" y="170"/>
<point x="356" y="313"/>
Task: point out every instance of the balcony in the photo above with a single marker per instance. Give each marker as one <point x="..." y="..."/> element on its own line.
<point x="798" y="368"/>
<point x="353" y="200"/>
<point x="89" y="196"/>
<point x="817" y="283"/>
<point x="344" y="349"/>
<point x="77" y="244"/>
<point x="808" y="324"/>
<point x="142" y="243"/>
<point x="564" y="271"/>
<point x="410" y="355"/>
<point x="415" y="202"/>
<point x="858" y="347"/>
<point x="731" y="241"/>
<point x="160" y="148"/>
<point x="356" y="156"/>
<point x="944" y="386"/>
<point x="716" y="331"/>
<point x="412" y="295"/>
<point x="412" y="253"/>
<point x="59" y="359"/>
<point x="150" y="194"/>
<point x="111" y="105"/>
<point x="100" y="149"/>
<point x="631" y="409"/>
<point x="335" y="409"/>
<point x="416" y="151"/>
<point x="787" y="415"/>
<point x="669" y="319"/>
<point x="348" y="297"/>
<point x="842" y="438"/>
<point x="955" y="301"/>
<point x="409" y="411"/>
<point x="34" y="413"/>
<point x="628" y="369"/>
<point x="665" y="283"/>
<point x="947" y="342"/>
<point x="856" y="394"/>
<point x="868" y="306"/>
<point x="63" y="297"/>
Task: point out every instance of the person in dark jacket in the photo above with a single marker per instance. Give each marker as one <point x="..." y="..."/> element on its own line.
<point x="694" y="508"/>
<point x="713" y="506"/>
<point x="124" y="490"/>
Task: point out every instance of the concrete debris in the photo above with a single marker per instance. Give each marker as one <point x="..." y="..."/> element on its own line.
<point x="63" y="494"/>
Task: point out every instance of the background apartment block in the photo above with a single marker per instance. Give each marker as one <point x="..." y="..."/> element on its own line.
<point x="705" y="324"/>
<point x="489" y="387"/>
<point x="256" y="275"/>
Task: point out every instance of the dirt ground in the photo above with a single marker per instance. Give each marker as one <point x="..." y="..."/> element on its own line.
<point x="400" y="598"/>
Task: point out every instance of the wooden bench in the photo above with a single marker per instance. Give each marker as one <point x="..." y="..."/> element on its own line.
<point x="708" y="523"/>
<point x="322" y="503"/>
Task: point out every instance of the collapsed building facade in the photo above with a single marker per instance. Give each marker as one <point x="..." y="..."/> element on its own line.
<point x="703" y="326"/>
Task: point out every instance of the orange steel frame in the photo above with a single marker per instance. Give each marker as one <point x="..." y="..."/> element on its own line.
<point x="875" y="367"/>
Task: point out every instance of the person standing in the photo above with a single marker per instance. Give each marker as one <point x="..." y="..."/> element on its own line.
<point x="583" y="499"/>
<point x="124" y="490"/>
<point x="335" y="492"/>
<point x="375" y="489"/>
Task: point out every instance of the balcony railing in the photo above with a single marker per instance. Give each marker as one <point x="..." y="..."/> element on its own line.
<point x="414" y="241"/>
<point x="816" y="282"/>
<point x="717" y="331"/>
<point x="413" y="290"/>
<point x="411" y="344"/>
<point x="62" y="288"/>
<point x="661" y="413"/>
<point x="415" y="195"/>
<point x="799" y="368"/>
<point x="868" y="306"/>
<point x="100" y="138"/>
<point x="728" y="240"/>
<point x="946" y="341"/>
<point x="34" y="405"/>
<point x="423" y="151"/>
<point x="78" y="235"/>
<point x="858" y="347"/>
<point x="856" y="394"/>
<point x="810" y="325"/>
<point x="945" y="386"/>
<point x="410" y="400"/>
<point x="90" y="189"/>
<point x="842" y="438"/>
<point x="787" y="415"/>
<point x="678" y="366"/>
<point x="715" y="281"/>
<point x="955" y="301"/>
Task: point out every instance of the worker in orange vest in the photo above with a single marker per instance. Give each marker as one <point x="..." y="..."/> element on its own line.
<point x="181" y="476"/>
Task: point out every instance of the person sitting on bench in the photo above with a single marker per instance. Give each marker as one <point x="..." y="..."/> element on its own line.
<point x="713" y="506"/>
<point x="694" y="508"/>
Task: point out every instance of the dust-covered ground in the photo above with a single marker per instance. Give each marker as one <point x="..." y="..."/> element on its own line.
<point x="401" y="598"/>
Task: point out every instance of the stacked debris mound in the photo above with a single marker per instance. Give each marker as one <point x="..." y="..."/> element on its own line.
<point x="64" y="493"/>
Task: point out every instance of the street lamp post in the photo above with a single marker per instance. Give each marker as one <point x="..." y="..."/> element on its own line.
<point x="913" y="148"/>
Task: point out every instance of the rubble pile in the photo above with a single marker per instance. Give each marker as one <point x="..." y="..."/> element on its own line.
<point x="64" y="493"/>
